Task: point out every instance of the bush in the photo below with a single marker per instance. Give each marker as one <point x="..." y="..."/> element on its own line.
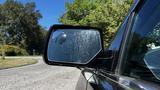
<point x="11" y="50"/>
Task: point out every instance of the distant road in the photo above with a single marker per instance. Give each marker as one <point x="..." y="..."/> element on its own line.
<point x="39" y="77"/>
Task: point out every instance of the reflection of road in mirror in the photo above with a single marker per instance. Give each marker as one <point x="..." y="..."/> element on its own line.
<point x="153" y="62"/>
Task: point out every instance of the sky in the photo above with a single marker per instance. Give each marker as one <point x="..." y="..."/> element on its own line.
<point x="51" y="10"/>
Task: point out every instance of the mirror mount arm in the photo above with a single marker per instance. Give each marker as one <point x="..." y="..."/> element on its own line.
<point x="106" y="55"/>
<point x="104" y="60"/>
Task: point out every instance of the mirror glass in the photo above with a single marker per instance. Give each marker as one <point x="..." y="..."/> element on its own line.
<point x="152" y="61"/>
<point x="74" y="45"/>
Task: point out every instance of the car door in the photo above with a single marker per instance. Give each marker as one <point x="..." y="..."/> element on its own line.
<point x="139" y="56"/>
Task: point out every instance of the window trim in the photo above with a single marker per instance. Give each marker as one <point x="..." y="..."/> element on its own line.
<point x="124" y="42"/>
<point x="126" y="36"/>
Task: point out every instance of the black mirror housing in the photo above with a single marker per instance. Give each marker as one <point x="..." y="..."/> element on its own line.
<point x="75" y="46"/>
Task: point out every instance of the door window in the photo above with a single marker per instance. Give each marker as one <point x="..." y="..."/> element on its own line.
<point x="141" y="57"/>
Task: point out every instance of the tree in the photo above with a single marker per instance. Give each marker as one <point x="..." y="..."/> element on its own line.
<point x="105" y="14"/>
<point x="20" y="24"/>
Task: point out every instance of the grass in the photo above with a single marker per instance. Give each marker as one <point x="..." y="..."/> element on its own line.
<point x="16" y="62"/>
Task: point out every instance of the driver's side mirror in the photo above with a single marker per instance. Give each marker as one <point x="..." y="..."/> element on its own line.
<point x="72" y="45"/>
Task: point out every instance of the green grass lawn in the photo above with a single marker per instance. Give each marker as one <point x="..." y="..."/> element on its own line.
<point x="16" y="62"/>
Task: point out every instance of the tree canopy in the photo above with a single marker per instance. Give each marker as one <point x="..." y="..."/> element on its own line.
<point x="105" y="14"/>
<point x="19" y="25"/>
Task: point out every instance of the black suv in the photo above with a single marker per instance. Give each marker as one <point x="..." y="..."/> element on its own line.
<point x="132" y="60"/>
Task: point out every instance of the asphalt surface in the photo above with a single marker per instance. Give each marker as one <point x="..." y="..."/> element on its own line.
<point x="39" y="77"/>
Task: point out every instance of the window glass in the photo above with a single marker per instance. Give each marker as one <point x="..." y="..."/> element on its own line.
<point x="141" y="58"/>
<point x="115" y="44"/>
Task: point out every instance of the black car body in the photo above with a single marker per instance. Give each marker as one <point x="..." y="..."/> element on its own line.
<point x="127" y="63"/>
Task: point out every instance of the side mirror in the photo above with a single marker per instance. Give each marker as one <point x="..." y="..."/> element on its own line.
<point x="72" y="45"/>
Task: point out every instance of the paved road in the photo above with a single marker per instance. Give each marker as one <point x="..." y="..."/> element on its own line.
<point x="39" y="77"/>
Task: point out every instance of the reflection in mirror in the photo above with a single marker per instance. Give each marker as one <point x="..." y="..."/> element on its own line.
<point x="74" y="46"/>
<point x="153" y="62"/>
